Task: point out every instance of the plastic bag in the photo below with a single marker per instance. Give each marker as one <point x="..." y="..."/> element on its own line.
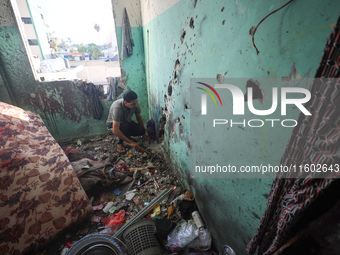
<point x="182" y="235"/>
<point x="202" y="242"/>
<point x="116" y="219"/>
<point x="114" y="223"/>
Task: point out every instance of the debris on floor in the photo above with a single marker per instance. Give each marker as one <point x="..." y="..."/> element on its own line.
<point x="130" y="193"/>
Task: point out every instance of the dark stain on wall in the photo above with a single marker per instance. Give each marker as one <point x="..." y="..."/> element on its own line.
<point x="162" y="123"/>
<point x="192" y="23"/>
<point x="265" y="196"/>
<point x="255" y="215"/>
<point x="56" y="101"/>
<point x="183" y="36"/>
<point x="177" y="65"/>
<point x="201" y="24"/>
<point x="170" y="89"/>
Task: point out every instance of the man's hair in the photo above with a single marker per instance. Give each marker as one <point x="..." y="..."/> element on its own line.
<point x="129" y="96"/>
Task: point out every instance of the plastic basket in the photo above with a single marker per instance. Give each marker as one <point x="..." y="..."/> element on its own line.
<point x="141" y="240"/>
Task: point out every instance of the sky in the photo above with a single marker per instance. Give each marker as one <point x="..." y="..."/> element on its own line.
<point x="76" y="19"/>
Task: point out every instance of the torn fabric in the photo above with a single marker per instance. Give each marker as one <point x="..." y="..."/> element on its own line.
<point x="127" y="41"/>
<point x="112" y="89"/>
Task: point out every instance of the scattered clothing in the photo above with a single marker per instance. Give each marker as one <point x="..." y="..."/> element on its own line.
<point x="74" y="155"/>
<point x="122" y="166"/>
<point x="90" y="173"/>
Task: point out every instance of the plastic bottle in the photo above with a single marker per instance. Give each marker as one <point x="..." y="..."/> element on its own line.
<point x="198" y="220"/>
<point x="107" y="207"/>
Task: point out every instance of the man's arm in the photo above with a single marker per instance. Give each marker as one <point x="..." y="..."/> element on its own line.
<point x="140" y="120"/>
<point x="116" y="131"/>
<point x="141" y="123"/>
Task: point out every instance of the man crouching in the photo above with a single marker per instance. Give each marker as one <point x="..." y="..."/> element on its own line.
<point x="119" y="119"/>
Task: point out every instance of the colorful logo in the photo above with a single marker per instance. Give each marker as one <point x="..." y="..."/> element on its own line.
<point x="204" y="97"/>
<point x="239" y="99"/>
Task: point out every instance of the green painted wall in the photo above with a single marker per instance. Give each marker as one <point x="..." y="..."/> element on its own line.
<point x="135" y="69"/>
<point x="218" y="42"/>
<point x="4" y="93"/>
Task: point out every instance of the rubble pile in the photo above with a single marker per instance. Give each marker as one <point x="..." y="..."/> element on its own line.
<point x="142" y="178"/>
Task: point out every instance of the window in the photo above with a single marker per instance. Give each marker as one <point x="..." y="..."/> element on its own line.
<point x="83" y="46"/>
<point x="26" y="20"/>
<point x="32" y="42"/>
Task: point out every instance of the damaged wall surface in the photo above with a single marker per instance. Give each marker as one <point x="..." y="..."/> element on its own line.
<point x="196" y="39"/>
<point x="65" y="106"/>
<point x="175" y="41"/>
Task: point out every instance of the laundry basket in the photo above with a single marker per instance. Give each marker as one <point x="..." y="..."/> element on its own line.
<point x="141" y="240"/>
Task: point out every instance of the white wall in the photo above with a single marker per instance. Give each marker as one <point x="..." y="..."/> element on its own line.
<point x="23" y="9"/>
<point x="133" y="9"/>
<point x="151" y="10"/>
<point x="35" y="50"/>
<point x="29" y="31"/>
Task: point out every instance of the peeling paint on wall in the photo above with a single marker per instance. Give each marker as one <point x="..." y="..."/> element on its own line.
<point x="258" y="92"/>
<point x="220" y="78"/>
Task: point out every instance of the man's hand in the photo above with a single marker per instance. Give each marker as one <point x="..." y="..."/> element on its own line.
<point x="135" y="146"/>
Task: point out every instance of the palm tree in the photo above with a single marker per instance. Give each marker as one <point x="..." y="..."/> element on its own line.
<point x="97" y="28"/>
